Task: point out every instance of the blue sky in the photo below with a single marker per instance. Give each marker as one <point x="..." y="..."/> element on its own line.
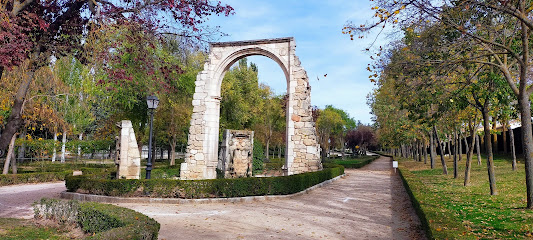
<point x="316" y="26"/>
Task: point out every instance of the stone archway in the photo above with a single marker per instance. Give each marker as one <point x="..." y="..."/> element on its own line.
<point x="302" y="153"/>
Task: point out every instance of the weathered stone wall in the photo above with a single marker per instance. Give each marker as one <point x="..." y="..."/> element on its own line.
<point x="236" y="153"/>
<point x="304" y="138"/>
<point x="202" y="151"/>
<point x="129" y="159"/>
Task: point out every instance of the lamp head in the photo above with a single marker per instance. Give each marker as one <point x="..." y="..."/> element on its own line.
<point x="152" y="102"/>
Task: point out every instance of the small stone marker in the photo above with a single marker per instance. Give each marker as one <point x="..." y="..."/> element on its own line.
<point x="76" y="173"/>
<point x="395" y="165"/>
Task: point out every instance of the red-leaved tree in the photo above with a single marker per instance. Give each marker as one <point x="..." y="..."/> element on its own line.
<point x="34" y="31"/>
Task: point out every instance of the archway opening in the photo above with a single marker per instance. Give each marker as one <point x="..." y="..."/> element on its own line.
<point x="253" y="97"/>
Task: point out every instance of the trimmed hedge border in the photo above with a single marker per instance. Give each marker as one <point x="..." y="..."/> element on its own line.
<point x="194" y="189"/>
<point x="357" y="165"/>
<point x="104" y="221"/>
<point x="22" y="178"/>
<point x="51" y="176"/>
<point x="148" y="200"/>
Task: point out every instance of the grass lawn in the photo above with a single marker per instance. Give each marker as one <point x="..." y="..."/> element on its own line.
<point x="11" y="228"/>
<point x="457" y="212"/>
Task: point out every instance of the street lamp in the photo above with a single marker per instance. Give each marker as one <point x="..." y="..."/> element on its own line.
<point x="152" y="102"/>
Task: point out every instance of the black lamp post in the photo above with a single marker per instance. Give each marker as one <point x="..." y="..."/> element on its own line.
<point x="152" y="102"/>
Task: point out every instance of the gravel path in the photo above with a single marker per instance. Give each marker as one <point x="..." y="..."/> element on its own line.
<point x="369" y="203"/>
<point x="16" y="200"/>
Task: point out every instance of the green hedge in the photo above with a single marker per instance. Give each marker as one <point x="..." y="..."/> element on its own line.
<point x="104" y="221"/>
<point x="51" y="176"/>
<point x="12" y="179"/>
<point x="356" y="163"/>
<point x="225" y="188"/>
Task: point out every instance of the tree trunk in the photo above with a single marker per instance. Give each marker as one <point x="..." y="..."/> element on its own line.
<point x="267" y="153"/>
<point x="22" y="148"/>
<point x="80" y="137"/>
<point x="420" y="151"/>
<point x="513" y="151"/>
<point x="504" y="135"/>
<point x="456" y="141"/>
<point x="15" y="120"/>
<point x="478" y="150"/>
<point x="460" y="147"/>
<point x="448" y="146"/>
<point x="173" y="151"/>
<point x="342" y="147"/>
<point x="494" y="138"/>
<point x="431" y="150"/>
<point x="444" y="167"/>
<point x="9" y="155"/>
<point x="488" y="145"/>
<point x="467" y="146"/>
<point x="63" y="145"/>
<point x="54" y="153"/>
<point x="527" y="141"/>
<point x="425" y="154"/>
<point x="470" y="153"/>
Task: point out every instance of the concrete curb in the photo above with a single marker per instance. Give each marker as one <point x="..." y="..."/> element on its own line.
<point x="110" y="199"/>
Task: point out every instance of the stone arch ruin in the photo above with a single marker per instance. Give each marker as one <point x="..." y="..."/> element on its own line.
<point x="302" y="153"/>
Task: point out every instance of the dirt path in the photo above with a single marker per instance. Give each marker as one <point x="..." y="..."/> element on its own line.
<point x="16" y="200"/>
<point x="369" y="203"/>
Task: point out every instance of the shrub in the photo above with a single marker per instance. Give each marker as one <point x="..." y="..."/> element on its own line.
<point x="225" y="188"/>
<point x="258" y="157"/>
<point x="11" y="179"/>
<point x="356" y="162"/>
<point x="105" y="221"/>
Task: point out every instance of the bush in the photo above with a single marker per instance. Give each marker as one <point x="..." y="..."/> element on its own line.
<point x="225" y="188"/>
<point x="12" y="179"/>
<point x="356" y="162"/>
<point x="55" y="172"/>
<point x="258" y="157"/>
<point x="105" y="221"/>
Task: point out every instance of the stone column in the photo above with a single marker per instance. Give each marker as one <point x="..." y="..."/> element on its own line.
<point x="129" y="166"/>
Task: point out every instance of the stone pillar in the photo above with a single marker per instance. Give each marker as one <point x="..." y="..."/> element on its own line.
<point x="302" y="146"/>
<point x="129" y="159"/>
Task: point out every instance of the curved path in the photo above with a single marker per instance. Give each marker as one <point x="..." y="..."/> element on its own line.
<point x="16" y="200"/>
<point x="369" y="203"/>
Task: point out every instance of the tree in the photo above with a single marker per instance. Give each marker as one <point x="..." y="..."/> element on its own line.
<point x="271" y="119"/>
<point x="35" y="31"/>
<point x="348" y="124"/>
<point x="328" y="124"/>
<point x="363" y="137"/>
<point x="499" y="29"/>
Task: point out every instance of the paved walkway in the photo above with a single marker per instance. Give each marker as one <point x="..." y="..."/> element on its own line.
<point x="369" y="203"/>
<point x="16" y="200"/>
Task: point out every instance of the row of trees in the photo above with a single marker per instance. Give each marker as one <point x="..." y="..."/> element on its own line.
<point x="458" y="65"/>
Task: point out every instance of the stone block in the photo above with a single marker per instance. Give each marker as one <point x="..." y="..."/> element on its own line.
<point x="295" y="118"/>
<point x="309" y="142"/>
